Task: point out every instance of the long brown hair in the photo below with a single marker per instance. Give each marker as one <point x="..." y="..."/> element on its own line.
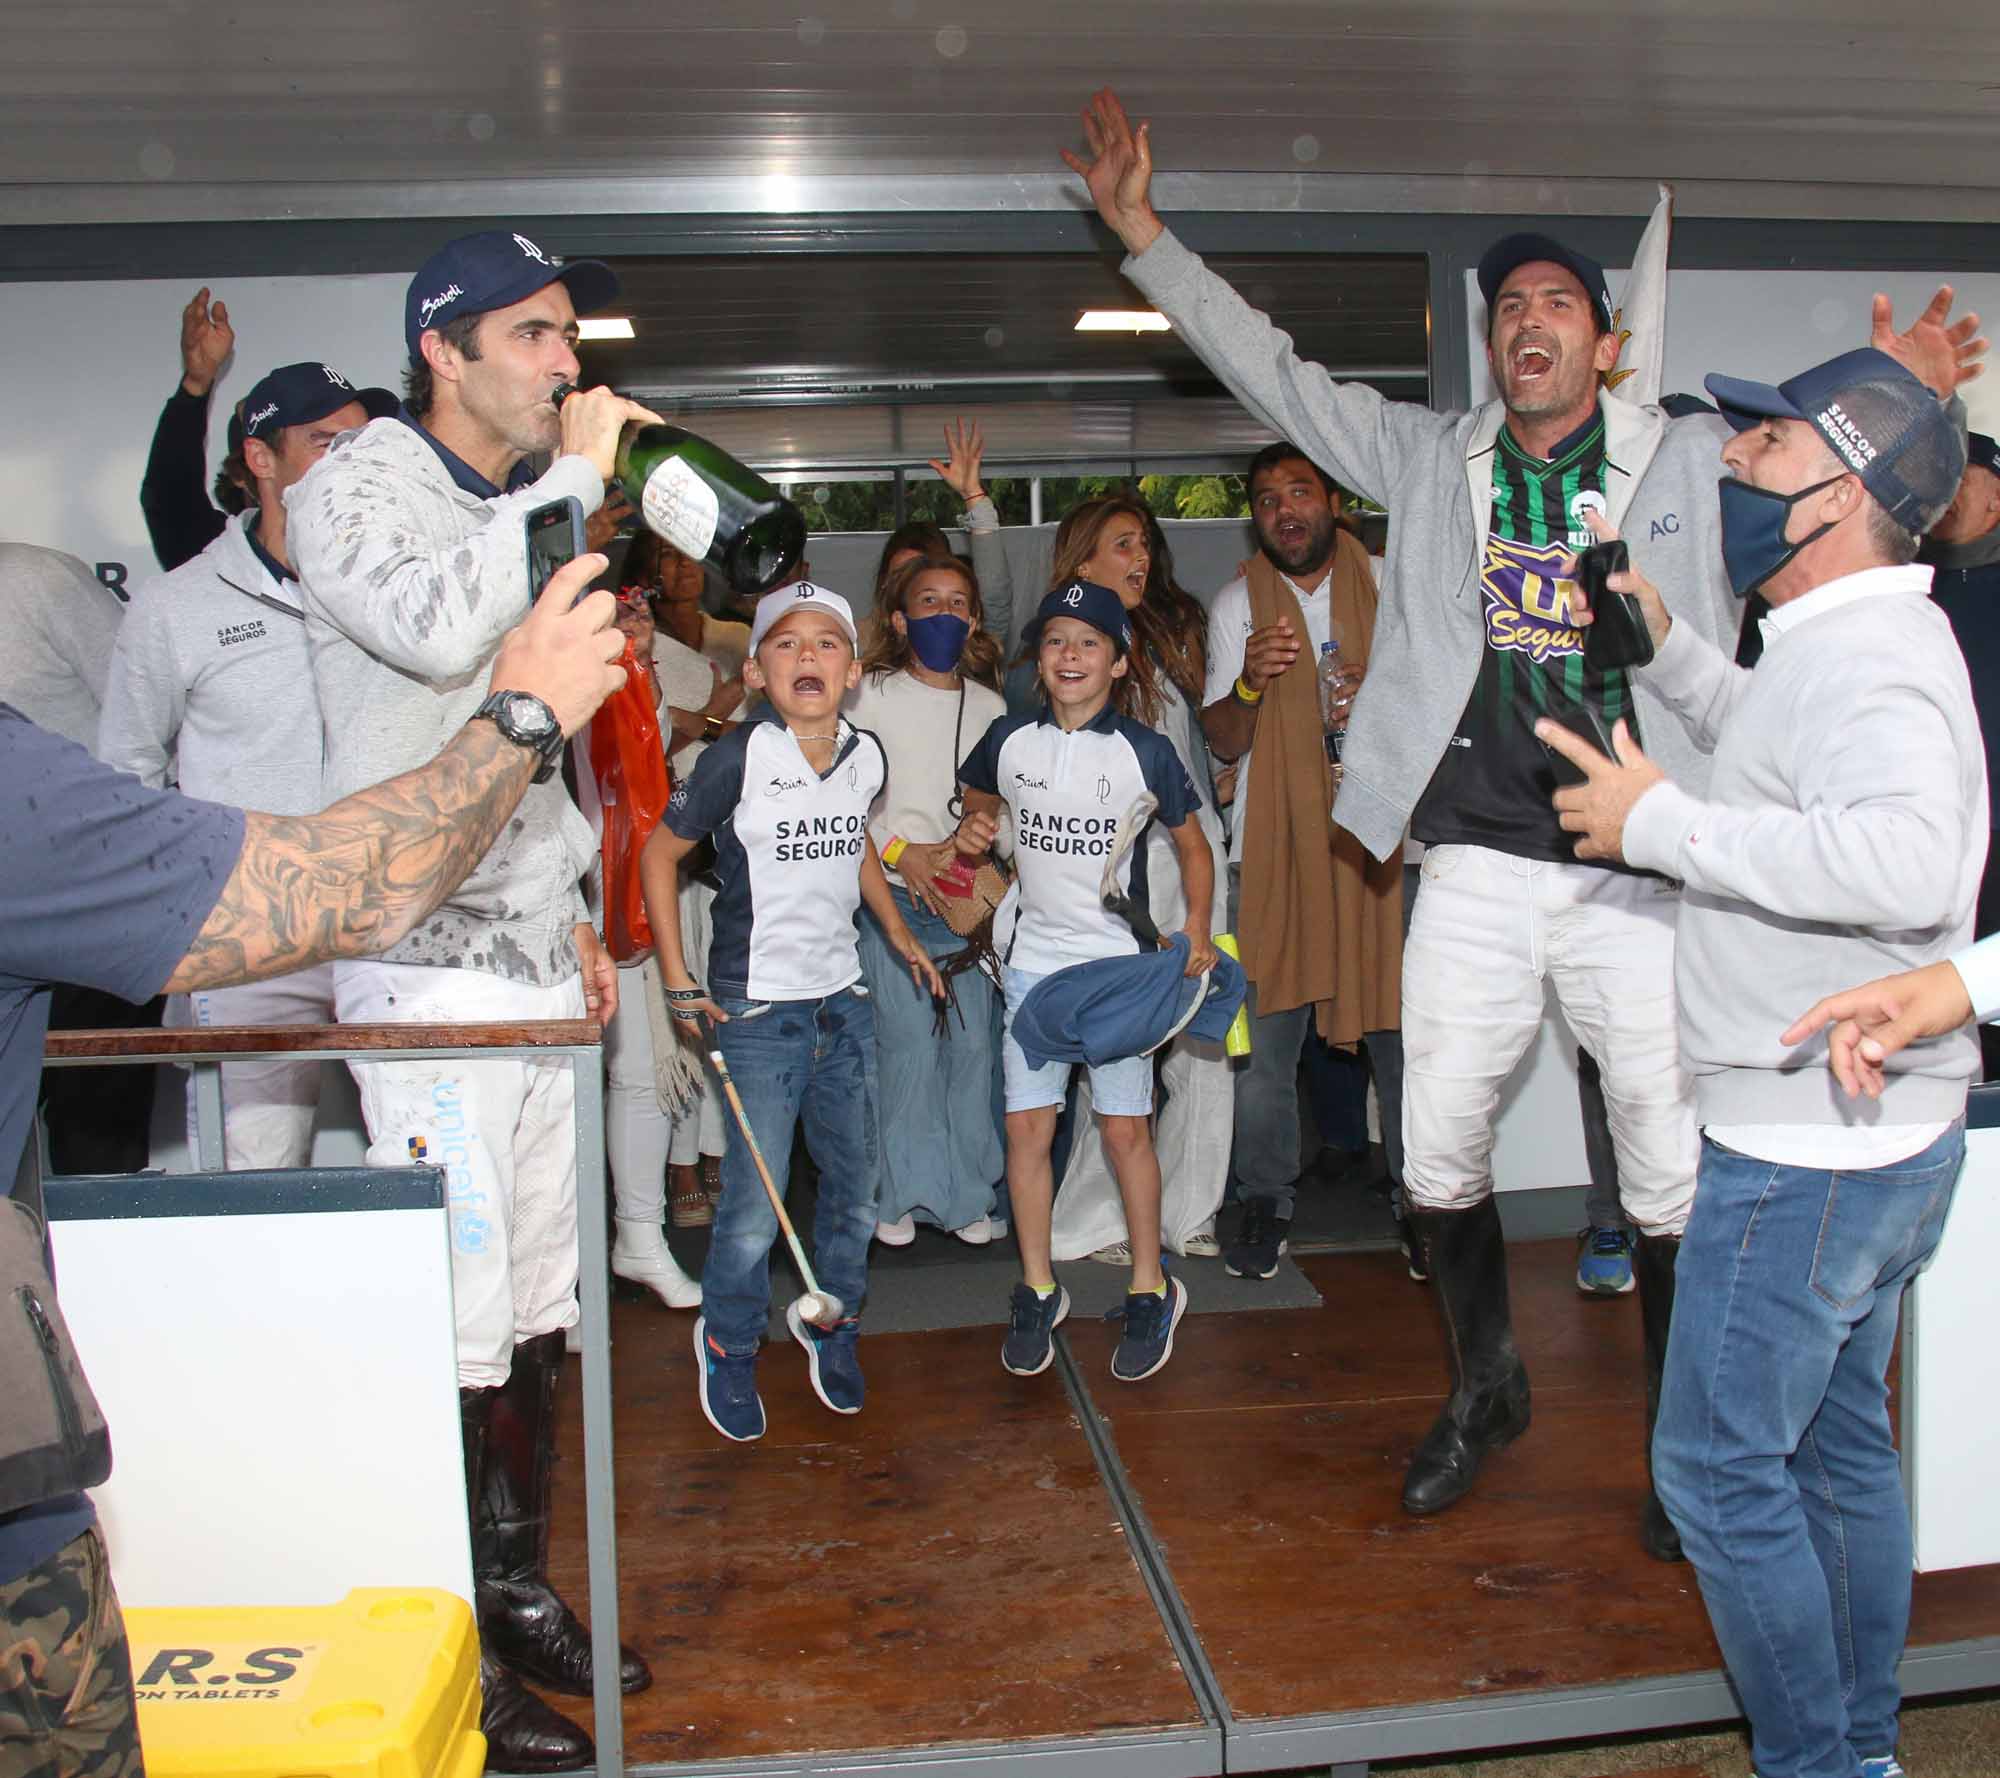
<point x="1169" y="626"/>
<point x="889" y="652"/>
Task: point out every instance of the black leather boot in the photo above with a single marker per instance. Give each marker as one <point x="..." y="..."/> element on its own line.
<point x="1488" y="1408"/>
<point x="522" y="1733"/>
<point x="1654" y="1258"/>
<point x="523" y="1622"/>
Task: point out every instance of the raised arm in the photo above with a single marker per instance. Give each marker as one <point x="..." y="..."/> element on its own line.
<point x="1346" y="428"/>
<point x="181" y="521"/>
<point x="965" y="446"/>
<point x="355" y="878"/>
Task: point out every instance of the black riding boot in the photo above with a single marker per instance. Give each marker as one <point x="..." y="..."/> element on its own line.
<point x="1653" y="1261"/>
<point x="522" y="1733"/>
<point x="521" y="1618"/>
<point x="1489" y="1388"/>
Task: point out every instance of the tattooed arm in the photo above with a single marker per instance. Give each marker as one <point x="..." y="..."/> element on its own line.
<point x="353" y="879"/>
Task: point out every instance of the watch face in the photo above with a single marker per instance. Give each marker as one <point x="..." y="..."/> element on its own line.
<point x="529" y="716"/>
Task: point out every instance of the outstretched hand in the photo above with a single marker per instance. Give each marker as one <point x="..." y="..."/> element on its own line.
<point x="1872" y="1022"/>
<point x="965" y="445"/>
<point x="207" y="339"/>
<point x="1939" y="351"/>
<point x="1597" y="807"/>
<point x="1119" y="171"/>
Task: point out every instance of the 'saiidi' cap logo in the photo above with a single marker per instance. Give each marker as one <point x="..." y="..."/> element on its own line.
<point x="431" y="304"/>
<point x="251" y="421"/>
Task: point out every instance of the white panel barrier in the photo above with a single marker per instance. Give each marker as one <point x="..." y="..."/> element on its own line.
<point x="1951" y="1370"/>
<point x="281" y="1385"/>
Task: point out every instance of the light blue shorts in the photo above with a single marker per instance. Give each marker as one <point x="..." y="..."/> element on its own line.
<point x="1117" y="1089"/>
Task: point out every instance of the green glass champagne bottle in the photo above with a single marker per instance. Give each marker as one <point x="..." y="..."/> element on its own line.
<point x="710" y="507"/>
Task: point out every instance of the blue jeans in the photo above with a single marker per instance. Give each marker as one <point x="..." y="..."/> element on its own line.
<point x="792" y="1060"/>
<point x="941" y="1152"/>
<point x="1773" y="1454"/>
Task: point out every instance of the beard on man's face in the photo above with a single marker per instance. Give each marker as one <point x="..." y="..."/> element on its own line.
<point x="1295" y="545"/>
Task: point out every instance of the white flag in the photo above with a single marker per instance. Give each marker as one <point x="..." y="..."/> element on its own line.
<point x="1641" y="318"/>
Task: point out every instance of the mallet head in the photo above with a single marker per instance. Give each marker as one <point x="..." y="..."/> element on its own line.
<point x="821" y="1307"/>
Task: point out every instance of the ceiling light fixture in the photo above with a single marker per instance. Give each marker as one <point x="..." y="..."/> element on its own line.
<point x="604" y="327"/>
<point x="1122" y="321"/>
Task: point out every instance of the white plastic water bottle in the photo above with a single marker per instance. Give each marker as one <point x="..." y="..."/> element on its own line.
<point x="1333" y="698"/>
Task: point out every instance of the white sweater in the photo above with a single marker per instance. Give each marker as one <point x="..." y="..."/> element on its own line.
<point x="410" y="583"/>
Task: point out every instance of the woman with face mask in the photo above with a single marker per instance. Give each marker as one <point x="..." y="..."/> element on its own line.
<point x="928" y="674"/>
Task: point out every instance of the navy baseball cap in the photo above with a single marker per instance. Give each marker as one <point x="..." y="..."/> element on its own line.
<point x="1113" y="1007"/>
<point x="1982" y="453"/>
<point x="1512" y="251"/>
<point x="1098" y="606"/>
<point x="297" y="395"/>
<point x="476" y="273"/>
<point x="1880" y="420"/>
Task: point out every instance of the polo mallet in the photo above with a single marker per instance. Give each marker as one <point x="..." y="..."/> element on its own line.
<point x="818" y="1306"/>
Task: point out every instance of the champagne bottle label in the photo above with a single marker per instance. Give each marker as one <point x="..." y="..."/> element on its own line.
<point x="681" y="507"/>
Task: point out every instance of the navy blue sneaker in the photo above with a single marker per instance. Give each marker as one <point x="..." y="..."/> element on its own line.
<point x="1604" y="1262"/>
<point x="1148" y="1340"/>
<point x="831" y="1362"/>
<point x="728" y="1388"/>
<point x="1031" y="1329"/>
<point x="1883" y="1765"/>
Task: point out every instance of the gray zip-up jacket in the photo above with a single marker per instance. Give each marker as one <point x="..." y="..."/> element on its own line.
<point x="410" y="583"/>
<point x="1433" y="473"/>
<point x="210" y="684"/>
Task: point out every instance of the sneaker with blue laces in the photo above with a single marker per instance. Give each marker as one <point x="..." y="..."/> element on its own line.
<point x="1148" y="1340"/>
<point x="728" y="1388"/>
<point x="1032" y="1320"/>
<point x="1604" y="1262"/>
<point x="1883" y="1765"/>
<point x="831" y="1361"/>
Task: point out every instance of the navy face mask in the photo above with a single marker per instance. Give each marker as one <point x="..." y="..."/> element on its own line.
<point x="938" y="640"/>
<point x="1754" y="545"/>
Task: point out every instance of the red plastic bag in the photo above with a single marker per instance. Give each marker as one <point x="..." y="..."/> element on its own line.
<point x="633" y="783"/>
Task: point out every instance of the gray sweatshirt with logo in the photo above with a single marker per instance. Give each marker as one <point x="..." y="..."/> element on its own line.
<point x="410" y="582"/>
<point x="1435" y="475"/>
<point x="210" y="685"/>
<point x="1841" y="838"/>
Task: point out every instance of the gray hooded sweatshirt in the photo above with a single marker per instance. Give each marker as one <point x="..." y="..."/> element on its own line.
<point x="1433" y="473"/>
<point x="410" y="583"/>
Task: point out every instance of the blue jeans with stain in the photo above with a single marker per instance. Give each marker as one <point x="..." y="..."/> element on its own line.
<point x="1773" y="1454"/>
<point x="794" y="1061"/>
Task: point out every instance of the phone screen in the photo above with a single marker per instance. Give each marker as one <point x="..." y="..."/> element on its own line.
<point x="555" y="536"/>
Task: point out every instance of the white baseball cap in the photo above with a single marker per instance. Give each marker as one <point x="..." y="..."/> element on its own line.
<point x="801" y="595"/>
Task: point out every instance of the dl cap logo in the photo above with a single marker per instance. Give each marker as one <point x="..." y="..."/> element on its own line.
<point x="335" y="378"/>
<point x="529" y="248"/>
<point x="1074" y="597"/>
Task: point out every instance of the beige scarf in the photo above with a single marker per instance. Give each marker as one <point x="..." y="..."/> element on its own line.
<point x="1321" y="922"/>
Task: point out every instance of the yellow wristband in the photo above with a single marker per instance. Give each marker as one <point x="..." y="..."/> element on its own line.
<point x="893" y="851"/>
<point x="1244" y="695"/>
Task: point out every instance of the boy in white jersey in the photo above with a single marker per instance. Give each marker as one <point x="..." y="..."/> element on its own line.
<point x="785" y="798"/>
<point x="1069" y="775"/>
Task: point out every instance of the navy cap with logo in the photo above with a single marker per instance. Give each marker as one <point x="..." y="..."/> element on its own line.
<point x="299" y="394"/>
<point x="1095" y="605"/>
<point x="1982" y="453"/>
<point x="1511" y="252"/>
<point x="1885" y="425"/>
<point x="491" y="270"/>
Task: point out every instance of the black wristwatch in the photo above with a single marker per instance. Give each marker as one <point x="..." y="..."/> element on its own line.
<point x="525" y="720"/>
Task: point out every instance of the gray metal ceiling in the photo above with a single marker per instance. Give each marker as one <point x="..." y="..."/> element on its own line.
<point x="118" y="110"/>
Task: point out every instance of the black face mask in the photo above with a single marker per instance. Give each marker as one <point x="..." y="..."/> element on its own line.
<point x="1753" y="530"/>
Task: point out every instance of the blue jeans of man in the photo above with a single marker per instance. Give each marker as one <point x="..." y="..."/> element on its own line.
<point x="1773" y="1454"/>
<point x="793" y="1061"/>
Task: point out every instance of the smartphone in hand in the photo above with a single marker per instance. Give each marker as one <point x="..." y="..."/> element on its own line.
<point x="555" y="536"/>
<point x="1617" y="635"/>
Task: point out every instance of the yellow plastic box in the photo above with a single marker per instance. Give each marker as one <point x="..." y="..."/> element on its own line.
<point x="383" y="1685"/>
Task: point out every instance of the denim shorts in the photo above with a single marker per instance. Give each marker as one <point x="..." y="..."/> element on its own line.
<point x="1117" y="1089"/>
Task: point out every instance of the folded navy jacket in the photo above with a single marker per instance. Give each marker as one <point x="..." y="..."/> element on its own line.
<point x="1113" y="1007"/>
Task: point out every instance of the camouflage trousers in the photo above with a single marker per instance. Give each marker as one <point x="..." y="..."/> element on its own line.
<point x="66" y="1706"/>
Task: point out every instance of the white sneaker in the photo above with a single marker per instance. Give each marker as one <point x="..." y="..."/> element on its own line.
<point x="1202" y="1244"/>
<point x="975" y="1234"/>
<point x="639" y="1254"/>
<point x="899" y="1233"/>
<point x="1119" y="1253"/>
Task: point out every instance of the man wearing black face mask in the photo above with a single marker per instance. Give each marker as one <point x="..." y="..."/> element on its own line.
<point x="1842" y="836"/>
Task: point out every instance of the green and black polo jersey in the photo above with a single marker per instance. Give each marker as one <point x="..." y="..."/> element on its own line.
<point x="1493" y="785"/>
